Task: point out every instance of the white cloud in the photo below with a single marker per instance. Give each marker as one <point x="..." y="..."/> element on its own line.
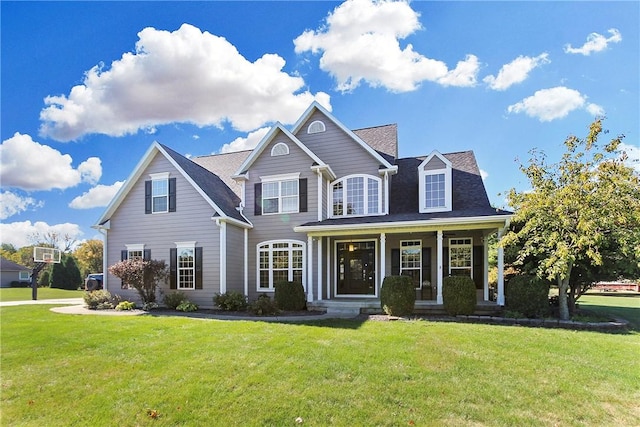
<point x="29" y="165"/>
<point x="550" y="104"/>
<point x="595" y="110"/>
<point x="20" y="234"/>
<point x="516" y="71"/>
<point x="12" y="203"/>
<point x="186" y="76"/>
<point x="484" y="174"/>
<point x="633" y="155"/>
<point x="360" y="42"/>
<point x="248" y="143"/>
<point x="98" y="196"/>
<point x="595" y="43"/>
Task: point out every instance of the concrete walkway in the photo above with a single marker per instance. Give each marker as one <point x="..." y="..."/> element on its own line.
<point x="74" y="301"/>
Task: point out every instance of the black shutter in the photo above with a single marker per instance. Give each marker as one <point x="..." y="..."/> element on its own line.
<point x="445" y="261"/>
<point x="395" y="262"/>
<point x="173" y="268"/>
<point x="302" y="184"/>
<point x="478" y="266"/>
<point x="172" y="194"/>
<point x="426" y="264"/>
<point x="198" y="268"/>
<point x="257" y="194"/>
<point x="147" y="197"/>
<point x="146" y="255"/>
<point x="124" y="255"/>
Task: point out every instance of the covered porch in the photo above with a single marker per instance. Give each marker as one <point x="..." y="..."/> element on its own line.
<point x="347" y="265"/>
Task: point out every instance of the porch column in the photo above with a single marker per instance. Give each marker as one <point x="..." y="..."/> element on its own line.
<point x="439" y="268"/>
<point x="329" y="278"/>
<point x="383" y="257"/>
<point x="246" y="261"/>
<point x="309" y="268"/>
<point x="485" y="242"/>
<point x="500" y="298"/>
<point x="319" y="296"/>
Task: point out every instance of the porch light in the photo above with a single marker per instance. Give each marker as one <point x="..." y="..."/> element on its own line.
<point x="350" y="247"/>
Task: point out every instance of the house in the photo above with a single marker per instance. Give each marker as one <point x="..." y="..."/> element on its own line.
<point x="12" y="272"/>
<point x="332" y="208"/>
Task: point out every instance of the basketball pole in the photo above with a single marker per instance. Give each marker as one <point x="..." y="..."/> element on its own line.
<point x="34" y="279"/>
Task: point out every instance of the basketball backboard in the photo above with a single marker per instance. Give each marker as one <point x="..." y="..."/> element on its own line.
<point x="49" y="255"/>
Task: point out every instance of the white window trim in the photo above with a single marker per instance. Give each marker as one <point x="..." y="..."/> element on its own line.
<point x="366" y="196"/>
<point x="420" y="259"/>
<point x="24" y="276"/>
<point x="447" y="184"/>
<point x="290" y="250"/>
<point x="461" y="245"/>
<point x="280" y="179"/>
<point x="312" y="131"/>
<point x="275" y="149"/>
<point x="185" y="245"/>
<point x="138" y="247"/>
<point x="161" y="176"/>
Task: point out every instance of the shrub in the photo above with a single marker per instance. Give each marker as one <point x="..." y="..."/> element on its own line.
<point x="528" y="295"/>
<point x="186" y="306"/>
<point x="230" y="301"/>
<point x="126" y="305"/>
<point x="459" y="295"/>
<point x="143" y="275"/>
<point x="263" y="306"/>
<point x="101" y="300"/>
<point x="290" y="296"/>
<point x="18" y="284"/>
<point x="172" y="300"/>
<point x="397" y="295"/>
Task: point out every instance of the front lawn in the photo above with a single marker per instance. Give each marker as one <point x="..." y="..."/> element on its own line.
<point x="24" y="294"/>
<point x="623" y="305"/>
<point x="61" y="370"/>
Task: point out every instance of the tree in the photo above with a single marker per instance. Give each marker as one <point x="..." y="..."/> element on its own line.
<point x="89" y="256"/>
<point x="143" y="276"/>
<point x="581" y="213"/>
<point x="72" y="272"/>
<point x="52" y="239"/>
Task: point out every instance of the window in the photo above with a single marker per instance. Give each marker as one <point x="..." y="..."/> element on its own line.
<point x="160" y="194"/>
<point x="280" y="196"/>
<point x="316" y="127"/>
<point x="186" y="266"/>
<point x="280" y="261"/>
<point x="134" y="252"/>
<point x="434" y="184"/>
<point x="411" y="261"/>
<point x="280" y="149"/>
<point x="461" y="257"/>
<point x="356" y="195"/>
<point x="24" y="276"/>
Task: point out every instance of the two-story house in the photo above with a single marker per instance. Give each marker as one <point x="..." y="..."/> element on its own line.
<point x="334" y="209"/>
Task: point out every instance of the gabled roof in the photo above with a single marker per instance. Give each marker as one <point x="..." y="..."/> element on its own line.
<point x="224" y="165"/>
<point x="381" y="138"/>
<point x="264" y="142"/>
<point x="8" y="265"/>
<point x="315" y="106"/>
<point x="215" y="192"/>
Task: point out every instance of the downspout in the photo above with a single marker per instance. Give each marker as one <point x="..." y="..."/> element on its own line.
<point x="223" y="254"/>
<point x="105" y="273"/>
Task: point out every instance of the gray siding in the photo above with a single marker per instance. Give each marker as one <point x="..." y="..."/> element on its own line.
<point x="235" y="259"/>
<point x="434" y="164"/>
<point x="159" y="232"/>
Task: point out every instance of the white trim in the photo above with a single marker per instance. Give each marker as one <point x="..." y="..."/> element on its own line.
<point x="312" y="131"/>
<point x="223" y="256"/>
<point x="191" y="246"/>
<point x="281" y="177"/>
<point x="462" y="246"/>
<point x="281" y="152"/>
<point x="375" y="279"/>
<point x="309" y="286"/>
<point x="319" y="295"/>
<point x="303" y="248"/>
<point x="365" y="201"/>
<point x="439" y="269"/>
<point x="135" y="247"/>
<point x="500" y="296"/>
<point x="246" y="262"/>
<point x="383" y="257"/>
<point x="420" y="259"/>
<point x="422" y="174"/>
<point x="386" y="192"/>
<point x="159" y="176"/>
<point x="320" y="195"/>
<point x="485" y="274"/>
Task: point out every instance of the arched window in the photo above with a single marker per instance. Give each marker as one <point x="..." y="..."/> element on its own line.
<point x="316" y="127"/>
<point x="280" y="149"/>
<point x="280" y="260"/>
<point x="356" y="195"/>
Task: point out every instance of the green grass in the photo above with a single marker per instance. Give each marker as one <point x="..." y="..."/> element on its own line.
<point x="622" y="305"/>
<point x="22" y="294"/>
<point x="64" y="370"/>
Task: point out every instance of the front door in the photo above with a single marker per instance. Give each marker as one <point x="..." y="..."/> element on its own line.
<point x="356" y="268"/>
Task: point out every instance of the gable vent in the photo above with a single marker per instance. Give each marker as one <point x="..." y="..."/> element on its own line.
<point x="280" y="149"/>
<point x="316" y="127"/>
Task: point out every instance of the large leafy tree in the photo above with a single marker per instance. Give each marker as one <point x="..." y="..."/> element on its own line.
<point x="581" y="214"/>
<point x="89" y="256"/>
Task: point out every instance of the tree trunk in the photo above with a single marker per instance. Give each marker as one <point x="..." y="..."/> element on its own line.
<point x="563" y="287"/>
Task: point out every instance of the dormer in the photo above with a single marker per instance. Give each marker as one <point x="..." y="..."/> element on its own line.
<point x="434" y="184"/>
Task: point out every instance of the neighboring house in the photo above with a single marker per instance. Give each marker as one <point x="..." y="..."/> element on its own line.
<point x="331" y="208"/>
<point x="12" y="272"/>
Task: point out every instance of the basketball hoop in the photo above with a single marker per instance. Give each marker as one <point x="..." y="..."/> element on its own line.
<point x="42" y="257"/>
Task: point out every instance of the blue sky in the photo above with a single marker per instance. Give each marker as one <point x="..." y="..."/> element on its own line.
<point x="88" y="86"/>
